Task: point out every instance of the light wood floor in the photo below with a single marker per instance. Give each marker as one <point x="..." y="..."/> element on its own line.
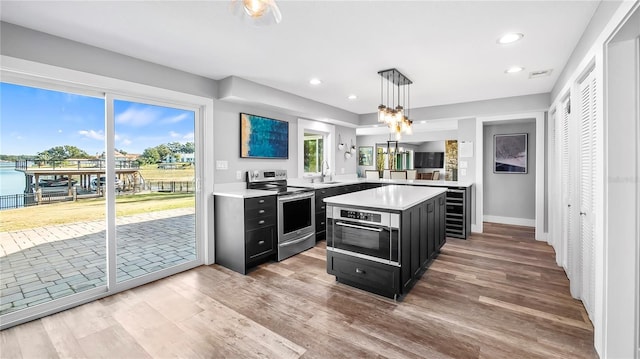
<point x="496" y="295"/>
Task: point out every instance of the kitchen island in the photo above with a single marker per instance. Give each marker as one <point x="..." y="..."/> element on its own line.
<point x="382" y="239"/>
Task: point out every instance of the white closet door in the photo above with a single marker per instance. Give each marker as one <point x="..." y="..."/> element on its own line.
<point x="587" y="162"/>
<point x="570" y="241"/>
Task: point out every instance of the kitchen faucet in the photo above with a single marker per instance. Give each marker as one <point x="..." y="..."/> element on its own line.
<point x="322" y="169"/>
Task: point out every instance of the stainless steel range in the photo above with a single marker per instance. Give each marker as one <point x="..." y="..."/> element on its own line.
<point x="296" y="211"/>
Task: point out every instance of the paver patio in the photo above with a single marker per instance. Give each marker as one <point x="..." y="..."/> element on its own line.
<point x="41" y="264"/>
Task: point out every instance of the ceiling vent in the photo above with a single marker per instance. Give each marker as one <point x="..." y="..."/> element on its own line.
<point x="541" y="73"/>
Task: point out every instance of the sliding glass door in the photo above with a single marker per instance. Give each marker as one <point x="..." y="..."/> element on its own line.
<point x="98" y="195"/>
<point x="52" y="228"/>
<point x="154" y="185"/>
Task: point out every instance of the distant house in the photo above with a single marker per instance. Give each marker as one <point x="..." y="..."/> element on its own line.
<point x="188" y="157"/>
<point x="169" y="159"/>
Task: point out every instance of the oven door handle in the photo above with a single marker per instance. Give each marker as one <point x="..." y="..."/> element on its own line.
<point x="293" y="197"/>
<point x="285" y="244"/>
<point x="359" y="227"/>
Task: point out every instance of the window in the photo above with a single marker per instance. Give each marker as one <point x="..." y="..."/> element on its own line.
<point x="313" y="152"/>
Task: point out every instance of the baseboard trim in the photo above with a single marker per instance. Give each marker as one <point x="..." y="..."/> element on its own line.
<point x="510" y="220"/>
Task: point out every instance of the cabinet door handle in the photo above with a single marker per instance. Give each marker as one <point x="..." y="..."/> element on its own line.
<point x="260" y="243"/>
<point x="261" y="211"/>
<point x="360" y="271"/>
<point x="261" y="221"/>
<point x="321" y="207"/>
<point x="261" y="201"/>
<point x="583" y="213"/>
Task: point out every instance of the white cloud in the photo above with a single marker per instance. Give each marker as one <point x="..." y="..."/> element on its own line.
<point x="138" y="117"/>
<point x="126" y="142"/>
<point x="59" y="131"/>
<point x="189" y="136"/>
<point x="174" y="134"/>
<point x="96" y="135"/>
<point x="176" y="119"/>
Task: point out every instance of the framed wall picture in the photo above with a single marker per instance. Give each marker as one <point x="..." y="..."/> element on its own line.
<point x="510" y="153"/>
<point x="262" y="137"/>
<point x="365" y="155"/>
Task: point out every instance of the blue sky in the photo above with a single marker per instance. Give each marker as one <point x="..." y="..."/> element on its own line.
<point x="33" y="120"/>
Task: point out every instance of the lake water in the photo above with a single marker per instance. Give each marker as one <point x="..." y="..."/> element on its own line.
<point x="11" y="181"/>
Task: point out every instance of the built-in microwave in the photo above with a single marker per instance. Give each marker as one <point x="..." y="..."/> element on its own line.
<point x="365" y="234"/>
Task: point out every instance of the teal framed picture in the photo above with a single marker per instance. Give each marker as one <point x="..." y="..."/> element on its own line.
<point x="365" y="155"/>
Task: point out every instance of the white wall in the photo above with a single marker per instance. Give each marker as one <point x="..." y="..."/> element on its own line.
<point x="467" y="133"/>
<point x="510" y="198"/>
<point x="598" y="22"/>
<point x="621" y="196"/>
<point x="36" y="46"/>
<point x="341" y="164"/>
<point x="226" y="131"/>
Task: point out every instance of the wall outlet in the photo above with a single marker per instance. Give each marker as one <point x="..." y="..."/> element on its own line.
<point x="463" y="172"/>
<point x="239" y="175"/>
<point x="462" y="164"/>
<point x="222" y="165"/>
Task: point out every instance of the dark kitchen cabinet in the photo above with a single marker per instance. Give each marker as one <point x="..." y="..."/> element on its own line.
<point x="441" y="220"/>
<point x="245" y="231"/>
<point x="321" y="212"/>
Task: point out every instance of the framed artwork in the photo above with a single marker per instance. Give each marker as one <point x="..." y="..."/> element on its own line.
<point x="365" y="155"/>
<point x="262" y="137"/>
<point x="510" y="153"/>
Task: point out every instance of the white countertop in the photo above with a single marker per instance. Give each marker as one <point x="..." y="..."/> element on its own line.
<point x="301" y="182"/>
<point x="391" y="197"/>
<point x="238" y="190"/>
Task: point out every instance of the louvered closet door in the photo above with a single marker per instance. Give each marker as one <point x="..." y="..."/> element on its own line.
<point x="570" y="242"/>
<point x="588" y="170"/>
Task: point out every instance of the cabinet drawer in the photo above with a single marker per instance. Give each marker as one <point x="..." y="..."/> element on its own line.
<point x="322" y="193"/>
<point x="321" y="221"/>
<point x="320" y="206"/>
<point x="253" y="223"/>
<point x="364" y="272"/>
<point x="259" y="212"/>
<point x="260" y="202"/>
<point x="260" y="242"/>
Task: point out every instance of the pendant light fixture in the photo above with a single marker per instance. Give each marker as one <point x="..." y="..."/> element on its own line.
<point x="258" y="12"/>
<point x="394" y="107"/>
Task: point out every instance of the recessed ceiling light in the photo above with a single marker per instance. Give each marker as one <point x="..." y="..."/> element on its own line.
<point x="315" y="81"/>
<point x="514" y="69"/>
<point x="423" y="121"/>
<point x="510" y="38"/>
<point x="375" y="125"/>
<point x="352" y="97"/>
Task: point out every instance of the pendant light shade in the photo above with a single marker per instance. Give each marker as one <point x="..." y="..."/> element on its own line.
<point x="258" y="12"/>
<point x="394" y="102"/>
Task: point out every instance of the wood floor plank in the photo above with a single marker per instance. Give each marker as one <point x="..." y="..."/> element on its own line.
<point x="35" y="341"/>
<point x="495" y="295"/>
<point x="62" y="337"/>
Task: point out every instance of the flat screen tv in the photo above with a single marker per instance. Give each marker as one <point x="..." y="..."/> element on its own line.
<point x="262" y="137"/>
<point x="428" y="160"/>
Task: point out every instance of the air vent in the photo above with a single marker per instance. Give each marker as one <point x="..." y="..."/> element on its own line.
<point x="541" y="73"/>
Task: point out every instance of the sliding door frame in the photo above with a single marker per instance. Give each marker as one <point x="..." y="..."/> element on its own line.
<point x="28" y="73"/>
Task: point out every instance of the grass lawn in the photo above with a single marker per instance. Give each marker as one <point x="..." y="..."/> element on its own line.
<point x="153" y="173"/>
<point x="90" y="209"/>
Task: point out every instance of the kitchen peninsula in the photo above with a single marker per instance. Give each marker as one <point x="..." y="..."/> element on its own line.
<point x="382" y="239"/>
